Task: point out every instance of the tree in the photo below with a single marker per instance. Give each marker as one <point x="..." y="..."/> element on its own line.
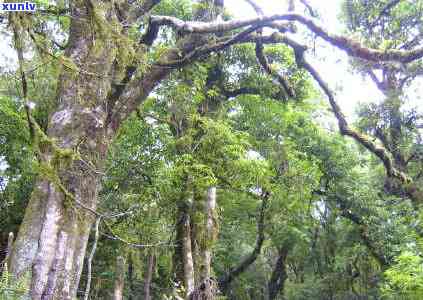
<point x="108" y="69"/>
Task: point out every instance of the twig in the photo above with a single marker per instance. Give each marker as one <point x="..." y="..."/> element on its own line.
<point x="113" y="236"/>
<point x="90" y="258"/>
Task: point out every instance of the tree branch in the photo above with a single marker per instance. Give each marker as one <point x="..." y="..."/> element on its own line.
<point x="268" y="69"/>
<point x="90" y="259"/>
<point x="385" y="11"/>
<point x="279" y="275"/>
<point x="256" y="7"/>
<point x="207" y="49"/>
<point x="262" y="59"/>
<point x="240" y="91"/>
<point x="344" y="128"/>
<point x="353" y="48"/>
<point x="309" y="8"/>
<point x="346" y="213"/>
<point x="226" y="280"/>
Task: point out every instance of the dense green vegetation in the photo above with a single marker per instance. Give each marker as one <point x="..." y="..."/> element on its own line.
<point x="144" y="159"/>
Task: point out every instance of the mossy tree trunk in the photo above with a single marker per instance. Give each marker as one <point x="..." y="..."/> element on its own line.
<point x="207" y="287"/>
<point x="183" y="258"/>
<point x="98" y="89"/>
<point x="51" y="243"/>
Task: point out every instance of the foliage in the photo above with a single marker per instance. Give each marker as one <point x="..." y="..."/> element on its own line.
<point x="405" y="276"/>
<point x="11" y="289"/>
<point x="350" y="232"/>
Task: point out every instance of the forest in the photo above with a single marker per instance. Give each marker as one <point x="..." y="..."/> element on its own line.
<point x="211" y="150"/>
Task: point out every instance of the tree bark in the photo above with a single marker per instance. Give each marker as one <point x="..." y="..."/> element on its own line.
<point x="119" y="278"/>
<point x="51" y="243"/>
<point x="131" y="277"/>
<point x="183" y="259"/>
<point x="149" y="276"/>
<point x="205" y="238"/>
<point x="9" y="246"/>
<point x="210" y="213"/>
<point x="187" y="256"/>
<point x="279" y="275"/>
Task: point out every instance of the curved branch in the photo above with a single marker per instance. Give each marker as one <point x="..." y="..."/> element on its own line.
<point x="353" y="48"/>
<point x="262" y="59"/>
<point x="363" y="231"/>
<point x="268" y="69"/>
<point x="234" y="272"/>
<point x="344" y="128"/>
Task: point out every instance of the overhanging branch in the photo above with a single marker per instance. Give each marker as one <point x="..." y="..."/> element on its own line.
<point x="344" y="128"/>
<point x="353" y="48"/>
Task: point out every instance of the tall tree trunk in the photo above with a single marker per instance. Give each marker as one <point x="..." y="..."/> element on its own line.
<point x="131" y="277"/>
<point x="119" y="278"/>
<point x="92" y="101"/>
<point x="205" y="237"/>
<point x="279" y="274"/>
<point x="211" y="227"/>
<point x="210" y="238"/>
<point x="183" y="259"/>
<point x="187" y="256"/>
<point x="149" y="276"/>
<point x="51" y="243"/>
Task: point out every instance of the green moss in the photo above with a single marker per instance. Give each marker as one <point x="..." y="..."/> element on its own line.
<point x="60" y="158"/>
<point x="44" y="143"/>
<point x="63" y="158"/>
<point x="69" y="64"/>
<point x="109" y="36"/>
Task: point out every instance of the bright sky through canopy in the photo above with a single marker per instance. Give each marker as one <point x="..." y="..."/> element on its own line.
<point x="332" y="63"/>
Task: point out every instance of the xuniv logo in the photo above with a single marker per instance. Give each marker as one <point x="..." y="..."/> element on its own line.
<point x="27" y="6"/>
